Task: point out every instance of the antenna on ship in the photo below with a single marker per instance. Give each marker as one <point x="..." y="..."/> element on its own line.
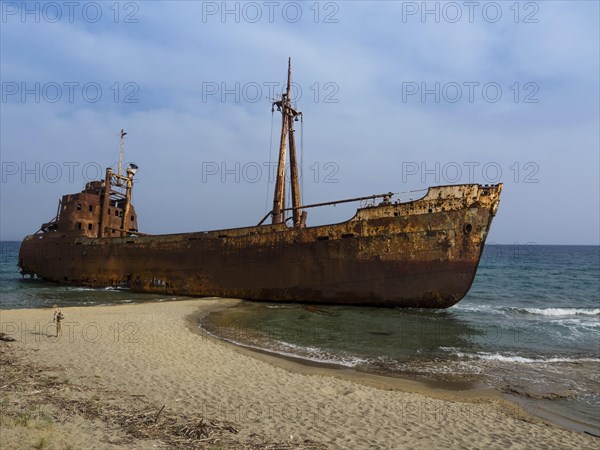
<point x="120" y="198"/>
<point x="288" y="115"/>
<point x="122" y="134"/>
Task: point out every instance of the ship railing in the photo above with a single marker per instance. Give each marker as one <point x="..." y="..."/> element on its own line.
<point x="131" y="233"/>
<point x="410" y="196"/>
<point x="367" y="201"/>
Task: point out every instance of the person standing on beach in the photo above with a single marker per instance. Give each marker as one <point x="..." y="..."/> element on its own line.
<point x="58" y="317"/>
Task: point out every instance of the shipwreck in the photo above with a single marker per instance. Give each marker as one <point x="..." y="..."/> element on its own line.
<point x="415" y="253"/>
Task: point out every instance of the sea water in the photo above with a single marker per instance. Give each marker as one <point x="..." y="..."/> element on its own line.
<point x="529" y="326"/>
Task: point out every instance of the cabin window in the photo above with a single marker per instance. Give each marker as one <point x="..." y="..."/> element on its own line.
<point x="116" y="212"/>
<point x="78" y="206"/>
<point x="79" y="225"/>
<point x="132" y="218"/>
<point x="109" y="211"/>
<point x="91" y="208"/>
<point x="90" y="226"/>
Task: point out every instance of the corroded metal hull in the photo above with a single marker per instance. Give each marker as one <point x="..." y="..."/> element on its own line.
<point x="422" y="253"/>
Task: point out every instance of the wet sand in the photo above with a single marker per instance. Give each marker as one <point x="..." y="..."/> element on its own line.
<point x="156" y="351"/>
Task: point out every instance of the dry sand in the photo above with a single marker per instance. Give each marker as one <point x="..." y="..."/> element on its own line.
<point x="155" y="353"/>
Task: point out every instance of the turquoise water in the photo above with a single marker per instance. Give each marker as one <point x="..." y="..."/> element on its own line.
<point x="530" y="326"/>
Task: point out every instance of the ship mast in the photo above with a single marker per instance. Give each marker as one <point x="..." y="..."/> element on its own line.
<point x="288" y="115"/>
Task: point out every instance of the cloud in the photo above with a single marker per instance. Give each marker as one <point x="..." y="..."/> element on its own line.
<point x="360" y="124"/>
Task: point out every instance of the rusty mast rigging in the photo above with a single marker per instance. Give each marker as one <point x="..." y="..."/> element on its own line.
<point x="288" y="115"/>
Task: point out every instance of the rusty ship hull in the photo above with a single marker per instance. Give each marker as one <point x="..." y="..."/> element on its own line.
<point x="421" y="253"/>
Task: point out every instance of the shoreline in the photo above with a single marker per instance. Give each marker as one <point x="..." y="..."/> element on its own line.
<point x="441" y="389"/>
<point x="157" y="351"/>
<point x="298" y="364"/>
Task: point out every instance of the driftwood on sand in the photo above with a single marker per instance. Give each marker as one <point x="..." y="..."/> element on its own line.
<point x="28" y="386"/>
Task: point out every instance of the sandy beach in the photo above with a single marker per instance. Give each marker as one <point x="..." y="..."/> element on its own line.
<point x="150" y="362"/>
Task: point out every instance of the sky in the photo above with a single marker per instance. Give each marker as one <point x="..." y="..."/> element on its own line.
<point x="396" y="97"/>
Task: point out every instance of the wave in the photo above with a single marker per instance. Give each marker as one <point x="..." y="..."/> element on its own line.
<point x="87" y="288"/>
<point x="548" y="312"/>
<point x="559" y="312"/>
<point x="288" y="349"/>
<point x="478" y="308"/>
<point x="317" y="354"/>
<point x="519" y="359"/>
